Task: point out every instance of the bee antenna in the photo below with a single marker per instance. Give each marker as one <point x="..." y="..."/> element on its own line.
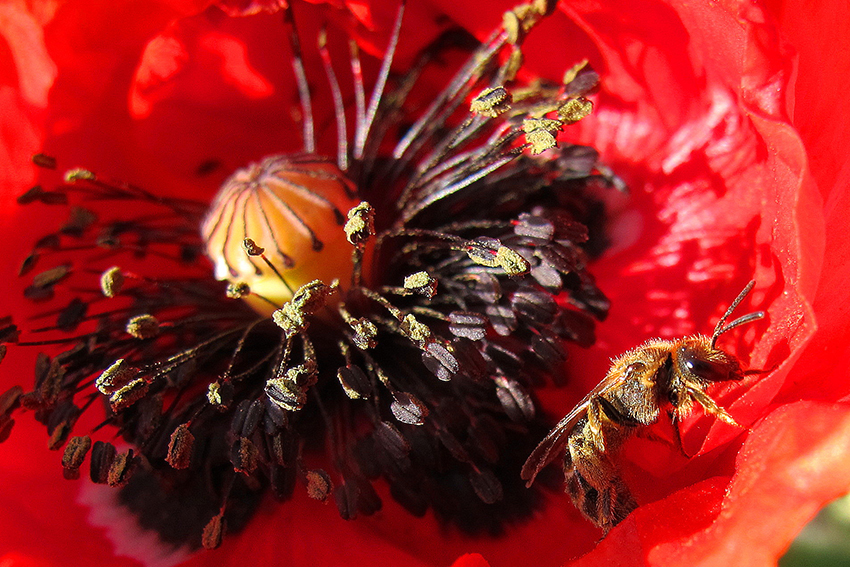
<point x="719" y="329"/>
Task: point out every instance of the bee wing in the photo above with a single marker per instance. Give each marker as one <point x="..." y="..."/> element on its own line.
<point x="556" y="440"/>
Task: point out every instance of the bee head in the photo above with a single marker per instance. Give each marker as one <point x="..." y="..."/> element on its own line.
<point x="697" y="358"/>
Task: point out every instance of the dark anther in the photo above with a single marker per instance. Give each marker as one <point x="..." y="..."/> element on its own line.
<point x="180" y="445"/>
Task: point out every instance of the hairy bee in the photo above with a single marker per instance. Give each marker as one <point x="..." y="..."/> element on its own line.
<point x="630" y="396"/>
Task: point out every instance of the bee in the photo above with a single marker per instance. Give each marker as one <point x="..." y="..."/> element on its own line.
<point x="630" y="397"/>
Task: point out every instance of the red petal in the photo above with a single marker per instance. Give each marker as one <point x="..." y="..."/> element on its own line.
<point x="821" y="115"/>
<point x="471" y="560"/>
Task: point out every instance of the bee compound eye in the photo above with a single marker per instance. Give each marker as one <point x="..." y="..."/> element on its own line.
<point x="704" y="369"/>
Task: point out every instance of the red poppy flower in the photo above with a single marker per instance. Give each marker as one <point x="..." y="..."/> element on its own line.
<point x="726" y="121"/>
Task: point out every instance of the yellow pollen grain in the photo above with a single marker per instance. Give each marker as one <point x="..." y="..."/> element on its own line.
<point x="414" y="329"/>
<point x="112" y="281"/>
<point x="512" y="262"/>
<point x="575" y="109"/>
<point x="573" y="72"/>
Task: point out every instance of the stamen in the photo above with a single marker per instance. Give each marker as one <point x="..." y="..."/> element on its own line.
<point x="362" y="132"/>
<point x="214" y="531"/>
<point x="75" y="453"/>
<point x="301" y="81"/>
<point x="45" y="161"/>
<point x="359" y="91"/>
<point x="574" y="110"/>
<point x="491" y="102"/>
<point x="339" y="106"/>
<point x="252" y="249"/>
<point x="143" y="327"/>
<point x="180" y="446"/>
<point x="112" y="281"/>
<point x="319" y="485"/>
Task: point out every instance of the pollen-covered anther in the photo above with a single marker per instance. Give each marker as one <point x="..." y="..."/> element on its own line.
<point x="365" y="332"/>
<point x="540" y="133"/>
<point x="490" y="252"/>
<point x="491" y="102"/>
<point x="220" y="394"/>
<point x="421" y="283"/>
<point x="237" y="290"/>
<point x="303" y="375"/>
<point x="214" y="532"/>
<point x="514" y="63"/>
<point x="417" y="331"/>
<point x="289" y="391"/>
<point x="521" y="19"/>
<point x="251" y="247"/>
<point x="512" y="262"/>
<point x="63" y="428"/>
<point x="571" y="73"/>
<point x="179" y="453"/>
<point x="118" y="375"/>
<point x="511" y="23"/>
<point x="544" y="7"/>
<point x="245" y="456"/>
<point x="309" y="299"/>
<point x="319" y="485"/>
<point x="112" y="281"/>
<point x="74" y="455"/>
<point x="575" y="109"/>
<point x="285" y="394"/>
<point x="360" y="226"/>
<point x="78" y="174"/>
<point x="121" y="469"/>
<point x="354" y="382"/>
<point x="143" y="326"/>
<point x="128" y="395"/>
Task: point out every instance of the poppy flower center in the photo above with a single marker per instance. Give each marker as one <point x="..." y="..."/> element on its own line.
<point x="277" y="225"/>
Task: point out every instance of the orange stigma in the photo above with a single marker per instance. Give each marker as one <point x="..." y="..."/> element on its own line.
<point x="278" y="224"/>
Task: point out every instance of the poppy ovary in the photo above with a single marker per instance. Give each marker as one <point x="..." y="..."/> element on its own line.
<point x="277" y="225"/>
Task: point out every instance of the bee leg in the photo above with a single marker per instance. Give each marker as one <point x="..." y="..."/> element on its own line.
<point x="676" y="419"/>
<point x="675" y="443"/>
<point x="709" y="405"/>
